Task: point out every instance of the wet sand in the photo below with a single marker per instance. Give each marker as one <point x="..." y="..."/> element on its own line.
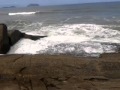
<point x="59" y="72"/>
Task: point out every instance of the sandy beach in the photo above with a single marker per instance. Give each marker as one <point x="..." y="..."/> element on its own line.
<point x="59" y="72"/>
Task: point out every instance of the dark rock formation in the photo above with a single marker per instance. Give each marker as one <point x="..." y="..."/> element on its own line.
<point x="16" y="35"/>
<point x="4" y="39"/>
<point x="33" y="37"/>
<point x="8" y="39"/>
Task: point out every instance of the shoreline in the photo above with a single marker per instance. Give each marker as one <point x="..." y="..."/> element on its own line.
<point x="55" y="72"/>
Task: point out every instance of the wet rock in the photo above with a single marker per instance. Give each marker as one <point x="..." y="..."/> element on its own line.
<point x="15" y="36"/>
<point x="33" y="37"/>
<point x="9" y="38"/>
<point x="4" y="39"/>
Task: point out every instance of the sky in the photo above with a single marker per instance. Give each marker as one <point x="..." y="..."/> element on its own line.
<point x="47" y="2"/>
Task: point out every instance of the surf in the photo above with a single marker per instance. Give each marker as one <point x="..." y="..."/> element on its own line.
<point x="21" y="13"/>
<point x="74" y="39"/>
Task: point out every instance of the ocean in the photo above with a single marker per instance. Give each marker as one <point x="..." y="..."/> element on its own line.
<point x="79" y="29"/>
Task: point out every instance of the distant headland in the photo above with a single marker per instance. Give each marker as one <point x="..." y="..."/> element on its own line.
<point x="10" y="7"/>
<point x="33" y="5"/>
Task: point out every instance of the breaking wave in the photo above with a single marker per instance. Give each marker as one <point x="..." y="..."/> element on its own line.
<point x="21" y="13"/>
<point x="30" y="13"/>
<point x="74" y="39"/>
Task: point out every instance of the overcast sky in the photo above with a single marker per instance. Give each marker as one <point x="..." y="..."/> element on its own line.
<point x="47" y="2"/>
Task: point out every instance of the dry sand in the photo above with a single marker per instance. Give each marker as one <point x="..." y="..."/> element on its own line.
<point x="59" y="72"/>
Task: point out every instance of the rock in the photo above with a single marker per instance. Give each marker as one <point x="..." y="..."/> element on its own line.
<point x="33" y="37"/>
<point x="9" y="85"/>
<point x="15" y="36"/>
<point x="4" y="39"/>
<point x="59" y="72"/>
<point x="8" y="39"/>
<point x="96" y="78"/>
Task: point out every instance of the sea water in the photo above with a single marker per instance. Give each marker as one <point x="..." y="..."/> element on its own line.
<point x="81" y="29"/>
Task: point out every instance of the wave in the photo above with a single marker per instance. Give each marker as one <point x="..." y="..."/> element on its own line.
<point x="31" y="13"/>
<point x="74" y="39"/>
<point x="46" y="12"/>
<point x="21" y="13"/>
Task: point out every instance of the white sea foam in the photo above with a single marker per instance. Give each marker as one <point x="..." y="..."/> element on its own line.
<point x="77" y="39"/>
<point x="21" y="13"/>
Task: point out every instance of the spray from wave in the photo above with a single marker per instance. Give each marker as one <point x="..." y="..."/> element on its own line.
<point x="73" y="39"/>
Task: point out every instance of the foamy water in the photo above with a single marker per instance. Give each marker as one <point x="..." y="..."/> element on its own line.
<point x="75" y="39"/>
<point x="21" y="13"/>
<point x="82" y="30"/>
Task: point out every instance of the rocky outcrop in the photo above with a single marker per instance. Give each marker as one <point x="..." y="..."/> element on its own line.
<point x="33" y="37"/>
<point x="59" y="72"/>
<point x="16" y="35"/>
<point x="9" y="38"/>
<point x="4" y="39"/>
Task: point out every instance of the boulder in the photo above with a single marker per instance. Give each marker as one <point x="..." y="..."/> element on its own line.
<point x="15" y="36"/>
<point x="4" y="39"/>
<point x="9" y="38"/>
